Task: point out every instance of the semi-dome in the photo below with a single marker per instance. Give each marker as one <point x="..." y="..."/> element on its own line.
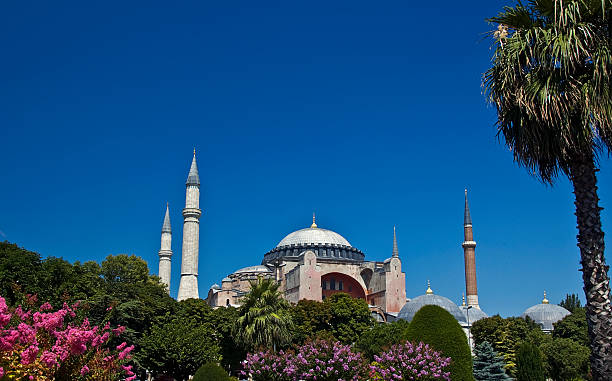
<point x="253" y="269"/>
<point x="326" y="244"/>
<point x="546" y="314"/>
<point x="315" y="236"/>
<point x="410" y="308"/>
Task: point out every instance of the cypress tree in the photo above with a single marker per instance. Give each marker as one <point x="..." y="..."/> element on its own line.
<point x="488" y="366"/>
<point x="433" y="325"/>
<point x="529" y="363"/>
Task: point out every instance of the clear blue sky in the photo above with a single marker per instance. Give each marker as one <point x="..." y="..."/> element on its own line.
<point x="370" y="114"/>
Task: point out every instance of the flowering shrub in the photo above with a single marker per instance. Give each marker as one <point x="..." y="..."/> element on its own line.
<point x="318" y="360"/>
<point x="45" y="345"/>
<point x="408" y="361"/>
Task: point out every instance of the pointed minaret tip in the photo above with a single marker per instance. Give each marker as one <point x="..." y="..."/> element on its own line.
<point x="463" y="298"/>
<point x="166" y="228"/>
<point x="193" y="178"/>
<point x="467" y="219"/>
<point x="395" y="250"/>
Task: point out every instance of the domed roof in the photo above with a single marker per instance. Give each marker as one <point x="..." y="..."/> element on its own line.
<point x="253" y="269"/>
<point x="410" y="309"/>
<point x="474" y="314"/>
<point x="215" y="287"/>
<point x="546" y="314"/>
<point x="313" y="235"/>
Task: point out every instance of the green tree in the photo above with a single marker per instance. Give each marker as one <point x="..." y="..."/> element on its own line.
<point x="264" y="319"/>
<point x="20" y="271"/>
<point x="571" y="302"/>
<point x="551" y="84"/>
<point x="381" y="337"/>
<point x="574" y="327"/>
<point x="506" y="335"/>
<point x="224" y="319"/>
<point x="529" y="363"/>
<point x="488" y="366"/>
<point x="350" y="317"/>
<point x="183" y="342"/>
<point x="566" y="360"/>
<point x="433" y="325"/>
<point x="310" y="318"/>
<point x="210" y="372"/>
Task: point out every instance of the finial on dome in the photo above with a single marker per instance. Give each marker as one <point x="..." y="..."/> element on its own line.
<point x="314" y="225"/>
<point x="429" y="290"/>
<point x="544" y="301"/>
<point x="463" y="298"/>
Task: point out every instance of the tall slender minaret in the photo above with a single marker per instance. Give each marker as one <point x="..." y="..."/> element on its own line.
<point x="469" y="253"/>
<point x="165" y="252"/>
<point x="188" y="287"/>
<point x="395" y="250"/>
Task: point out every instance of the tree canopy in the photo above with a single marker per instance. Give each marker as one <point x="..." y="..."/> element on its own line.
<point x="435" y="326"/>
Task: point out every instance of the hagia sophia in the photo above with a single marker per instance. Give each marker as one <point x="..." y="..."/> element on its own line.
<point x="314" y="263"/>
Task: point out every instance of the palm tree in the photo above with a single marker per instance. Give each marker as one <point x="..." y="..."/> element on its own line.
<point x="264" y="319"/>
<point x="550" y="82"/>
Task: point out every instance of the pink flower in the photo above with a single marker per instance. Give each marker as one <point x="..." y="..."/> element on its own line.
<point x="84" y="370"/>
<point x="46" y="307"/>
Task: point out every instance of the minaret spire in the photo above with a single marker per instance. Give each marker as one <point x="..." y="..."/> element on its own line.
<point x="165" y="251"/>
<point x="395" y="250"/>
<point x="188" y="287"/>
<point x="467" y="219"/>
<point x="469" y="255"/>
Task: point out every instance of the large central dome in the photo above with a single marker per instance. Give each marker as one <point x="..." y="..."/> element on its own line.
<point x="326" y="244"/>
<point x="315" y="236"/>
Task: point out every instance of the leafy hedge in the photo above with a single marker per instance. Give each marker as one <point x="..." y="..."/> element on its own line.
<point x="433" y="325"/>
<point x="210" y="372"/>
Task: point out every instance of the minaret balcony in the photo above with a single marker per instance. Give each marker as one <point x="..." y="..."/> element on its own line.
<point x="192" y="212"/>
<point x="468" y="244"/>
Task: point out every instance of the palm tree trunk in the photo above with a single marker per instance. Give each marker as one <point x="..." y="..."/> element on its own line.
<point x="594" y="268"/>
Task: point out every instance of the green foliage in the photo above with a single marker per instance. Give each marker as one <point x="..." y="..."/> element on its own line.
<point x="224" y="319"/>
<point x="309" y="319"/>
<point x="182" y="343"/>
<point x="487" y="365"/>
<point x="435" y="326"/>
<point x="566" y="360"/>
<point x="339" y="317"/>
<point x="350" y="317"/>
<point x="381" y="337"/>
<point x="210" y="372"/>
<point x="573" y="327"/>
<point x="19" y="273"/>
<point x="264" y="319"/>
<point x="571" y="303"/>
<point x="506" y="335"/>
<point x="529" y="363"/>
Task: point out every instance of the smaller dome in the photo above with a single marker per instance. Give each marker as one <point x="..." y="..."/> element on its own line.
<point x="546" y="314"/>
<point x="226" y="279"/>
<point x="474" y="314"/>
<point x="215" y="287"/>
<point x="253" y="269"/>
<point x="410" y="309"/>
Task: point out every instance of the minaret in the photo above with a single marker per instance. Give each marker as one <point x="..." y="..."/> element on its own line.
<point x="395" y="250"/>
<point x="165" y="252"/>
<point x="469" y="253"/>
<point x="188" y="287"/>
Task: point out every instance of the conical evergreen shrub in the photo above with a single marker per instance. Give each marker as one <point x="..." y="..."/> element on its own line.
<point x="433" y="325"/>
<point x="211" y="372"/>
<point x="488" y="366"/>
<point x="529" y="365"/>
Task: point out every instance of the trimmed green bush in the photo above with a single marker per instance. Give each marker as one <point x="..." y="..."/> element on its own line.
<point x="433" y="325"/>
<point x="211" y="372"/>
<point x="529" y="365"/>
